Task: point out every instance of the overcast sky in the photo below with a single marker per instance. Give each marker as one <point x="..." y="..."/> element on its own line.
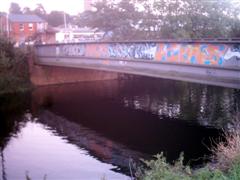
<point x="69" y="6"/>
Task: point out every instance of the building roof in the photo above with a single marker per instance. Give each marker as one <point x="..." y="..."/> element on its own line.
<point x="24" y="18"/>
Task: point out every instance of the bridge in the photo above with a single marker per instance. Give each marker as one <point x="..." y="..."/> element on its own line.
<point x="214" y="62"/>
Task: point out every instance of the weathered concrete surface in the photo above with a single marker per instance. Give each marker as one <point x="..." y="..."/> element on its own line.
<point x="48" y="75"/>
<point x="226" y="77"/>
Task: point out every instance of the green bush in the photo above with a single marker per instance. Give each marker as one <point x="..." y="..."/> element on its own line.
<point x="14" y="74"/>
<point x="159" y="169"/>
<point x="227" y="166"/>
<point x="234" y="173"/>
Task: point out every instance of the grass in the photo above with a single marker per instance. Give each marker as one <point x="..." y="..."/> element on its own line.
<point x="225" y="164"/>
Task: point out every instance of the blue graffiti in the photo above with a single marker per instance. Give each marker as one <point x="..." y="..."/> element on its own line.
<point x="221" y="47"/>
<point x="220" y="61"/>
<point x="193" y="60"/>
<point x="203" y="49"/>
<point x="164" y="58"/>
<point x="207" y="62"/>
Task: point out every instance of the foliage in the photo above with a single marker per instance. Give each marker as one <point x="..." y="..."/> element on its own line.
<point x="120" y="19"/>
<point x="226" y="154"/>
<point x="160" y="169"/>
<point x="54" y="18"/>
<point x="15" y="8"/>
<point x="143" y="19"/>
<point x="13" y="67"/>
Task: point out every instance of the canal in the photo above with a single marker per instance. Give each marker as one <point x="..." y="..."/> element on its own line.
<point x="95" y="130"/>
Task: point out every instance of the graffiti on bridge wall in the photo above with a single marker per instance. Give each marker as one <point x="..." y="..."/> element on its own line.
<point x="133" y="50"/>
<point x="71" y="50"/>
<point x="196" y="53"/>
<point x="188" y="53"/>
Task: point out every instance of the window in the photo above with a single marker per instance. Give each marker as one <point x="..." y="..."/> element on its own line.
<point x="30" y="26"/>
<point x="21" y="27"/>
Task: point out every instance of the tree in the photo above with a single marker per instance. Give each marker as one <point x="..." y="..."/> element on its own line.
<point x="144" y="19"/>
<point x="56" y="18"/>
<point x="27" y="10"/>
<point x="40" y="11"/>
<point x="15" y="9"/>
<point x="117" y="18"/>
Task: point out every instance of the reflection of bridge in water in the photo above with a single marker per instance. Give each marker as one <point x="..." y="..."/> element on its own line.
<point x="97" y="145"/>
<point x="95" y="116"/>
<point x="208" y="62"/>
<point x="206" y="105"/>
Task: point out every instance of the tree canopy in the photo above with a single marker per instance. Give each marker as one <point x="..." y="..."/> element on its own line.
<point x="144" y="19"/>
<point x="15" y="8"/>
<point x="54" y="18"/>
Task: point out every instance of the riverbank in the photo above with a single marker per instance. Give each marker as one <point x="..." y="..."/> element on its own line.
<point x="224" y="164"/>
<point x="14" y="73"/>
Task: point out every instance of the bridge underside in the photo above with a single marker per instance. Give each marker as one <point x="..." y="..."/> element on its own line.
<point x="226" y="77"/>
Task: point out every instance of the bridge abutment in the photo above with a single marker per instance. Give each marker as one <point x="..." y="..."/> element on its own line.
<point x="41" y="75"/>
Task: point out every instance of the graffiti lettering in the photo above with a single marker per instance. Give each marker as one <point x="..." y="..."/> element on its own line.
<point x="72" y="50"/>
<point x="233" y="52"/>
<point x="216" y="54"/>
<point x="133" y="50"/>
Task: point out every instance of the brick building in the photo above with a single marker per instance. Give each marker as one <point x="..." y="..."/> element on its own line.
<point x="21" y="28"/>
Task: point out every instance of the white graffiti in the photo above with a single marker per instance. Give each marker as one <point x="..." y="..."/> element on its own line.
<point x="72" y="50"/>
<point x="133" y="50"/>
<point x="233" y="52"/>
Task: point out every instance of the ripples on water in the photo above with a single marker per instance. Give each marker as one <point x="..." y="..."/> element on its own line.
<point x="92" y="130"/>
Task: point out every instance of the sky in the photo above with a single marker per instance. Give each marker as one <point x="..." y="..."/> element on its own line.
<point x="72" y="7"/>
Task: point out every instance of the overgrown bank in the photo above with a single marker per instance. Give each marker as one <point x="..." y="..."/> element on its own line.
<point x="14" y="74"/>
<point x="224" y="165"/>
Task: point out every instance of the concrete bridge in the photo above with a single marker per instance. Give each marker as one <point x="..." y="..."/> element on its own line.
<point x="208" y="62"/>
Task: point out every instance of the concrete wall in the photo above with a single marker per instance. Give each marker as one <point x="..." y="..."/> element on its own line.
<point x="48" y="75"/>
<point x="196" y="53"/>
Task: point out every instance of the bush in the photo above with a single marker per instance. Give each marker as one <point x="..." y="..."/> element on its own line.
<point x="227" y="153"/>
<point x="226" y="166"/>
<point x="13" y="67"/>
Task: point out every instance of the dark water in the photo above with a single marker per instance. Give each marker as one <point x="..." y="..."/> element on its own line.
<point x="97" y="129"/>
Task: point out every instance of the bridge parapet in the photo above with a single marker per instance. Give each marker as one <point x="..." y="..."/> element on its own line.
<point x="221" y="54"/>
<point x="211" y="59"/>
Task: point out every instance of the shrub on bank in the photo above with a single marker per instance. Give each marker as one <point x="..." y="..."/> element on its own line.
<point x="227" y="154"/>
<point x="227" y="167"/>
<point x="13" y="67"/>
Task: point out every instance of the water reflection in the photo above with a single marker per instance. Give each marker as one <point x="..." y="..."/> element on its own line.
<point x="138" y="114"/>
<point x="36" y="150"/>
<point x="87" y="130"/>
<point x="206" y="105"/>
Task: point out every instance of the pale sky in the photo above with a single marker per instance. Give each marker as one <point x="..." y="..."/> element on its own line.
<point x="72" y="7"/>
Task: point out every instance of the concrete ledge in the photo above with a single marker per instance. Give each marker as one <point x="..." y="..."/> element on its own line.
<point x="225" y="77"/>
<point x="49" y="75"/>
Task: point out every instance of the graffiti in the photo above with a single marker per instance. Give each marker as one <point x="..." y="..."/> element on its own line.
<point x="72" y="50"/>
<point x="233" y="52"/>
<point x="194" y="53"/>
<point x="215" y="54"/>
<point x="133" y="50"/>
